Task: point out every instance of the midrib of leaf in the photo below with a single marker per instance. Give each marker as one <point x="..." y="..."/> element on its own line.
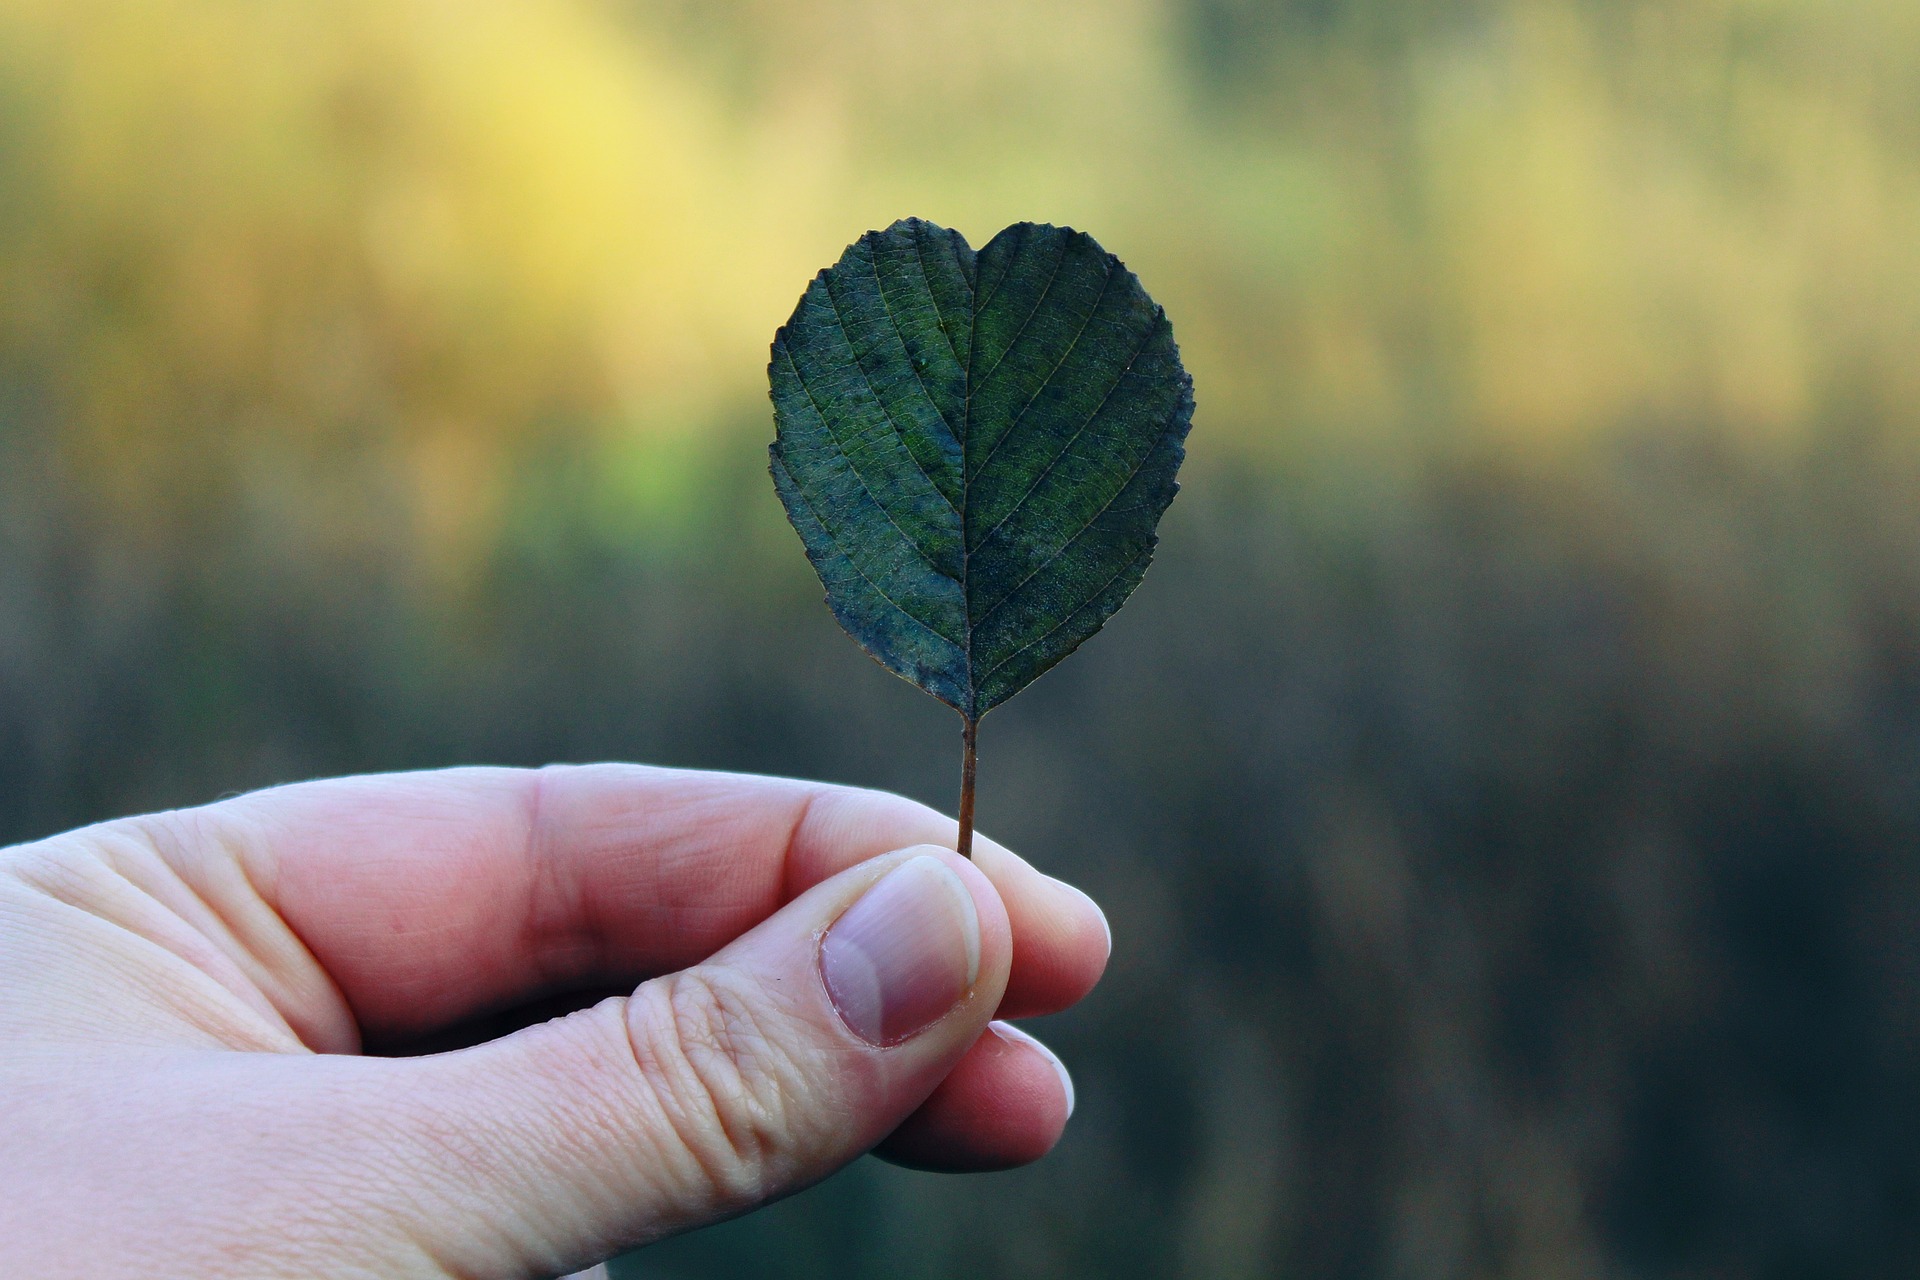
<point x="967" y="472"/>
<point x="966" y="479"/>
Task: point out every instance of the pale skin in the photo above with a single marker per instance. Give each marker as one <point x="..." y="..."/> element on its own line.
<point x="194" y="1005"/>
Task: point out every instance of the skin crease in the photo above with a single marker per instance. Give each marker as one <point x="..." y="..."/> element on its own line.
<point x="201" y="1014"/>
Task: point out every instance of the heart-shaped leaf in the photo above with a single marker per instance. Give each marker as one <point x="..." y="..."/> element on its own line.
<point x="975" y="448"/>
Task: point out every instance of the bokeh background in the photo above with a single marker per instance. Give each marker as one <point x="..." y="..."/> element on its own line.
<point x="1504" y="788"/>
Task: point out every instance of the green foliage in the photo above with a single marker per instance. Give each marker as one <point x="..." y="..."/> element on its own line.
<point x="976" y="448"/>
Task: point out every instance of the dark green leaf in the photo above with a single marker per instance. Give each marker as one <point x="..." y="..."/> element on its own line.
<point x="975" y="448"/>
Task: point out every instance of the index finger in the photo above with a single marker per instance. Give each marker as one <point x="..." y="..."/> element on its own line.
<point x="430" y="898"/>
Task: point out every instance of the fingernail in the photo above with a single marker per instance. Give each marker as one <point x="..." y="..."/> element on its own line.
<point x="904" y="954"/>
<point x="1007" y="1031"/>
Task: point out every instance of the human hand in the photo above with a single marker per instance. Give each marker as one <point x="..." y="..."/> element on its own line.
<point x="185" y="999"/>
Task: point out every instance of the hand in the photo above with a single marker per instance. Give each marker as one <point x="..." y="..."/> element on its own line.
<point x="188" y="1002"/>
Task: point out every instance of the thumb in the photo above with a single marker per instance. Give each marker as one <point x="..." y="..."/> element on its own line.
<point x="715" y="1089"/>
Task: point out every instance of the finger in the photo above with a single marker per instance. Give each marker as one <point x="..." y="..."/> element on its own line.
<point x="435" y="897"/>
<point x="1005" y="1105"/>
<point x="1061" y="941"/>
<point x="789" y="1053"/>
<point x="1060" y="937"/>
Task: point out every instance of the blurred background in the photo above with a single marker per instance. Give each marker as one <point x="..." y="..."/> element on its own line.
<point x="1504" y="788"/>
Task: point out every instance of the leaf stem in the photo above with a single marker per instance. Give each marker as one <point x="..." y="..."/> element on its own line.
<point x="968" y="734"/>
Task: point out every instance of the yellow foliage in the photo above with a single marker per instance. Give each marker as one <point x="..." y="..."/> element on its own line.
<point x="242" y="244"/>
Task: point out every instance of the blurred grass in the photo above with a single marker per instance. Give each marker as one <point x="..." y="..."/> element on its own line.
<point x="1504" y="787"/>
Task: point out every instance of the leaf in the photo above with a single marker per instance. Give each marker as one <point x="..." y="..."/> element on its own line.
<point x="975" y="448"/>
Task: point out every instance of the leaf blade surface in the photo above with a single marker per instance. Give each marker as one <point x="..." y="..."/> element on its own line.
<point x="976" y="448"/>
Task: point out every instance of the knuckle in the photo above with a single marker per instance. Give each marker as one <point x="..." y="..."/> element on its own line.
<point x="722" y="1082"/>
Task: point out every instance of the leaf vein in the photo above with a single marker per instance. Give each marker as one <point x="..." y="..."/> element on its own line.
<point x="1019" y="333"/>
<point x="853" y="564"/>
<point x="840" y="319"/>
<point x="1075" y="439"/>
<point x="1013" y="254"/>
<point x="1048" y="634"/>
<point x="1020" y="417"/>
<point x="899" y="333"/>
<point x="926" y="278"/>
<point x="865" y="488"/>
